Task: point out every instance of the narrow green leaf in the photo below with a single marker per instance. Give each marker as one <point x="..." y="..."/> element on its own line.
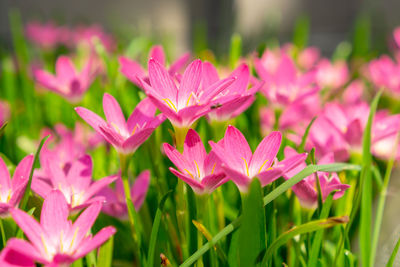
<point x="106" y="253"/>
<point x="155" y="228"/>
<point x="305" y="136"/>
<point x="77" y="263"/>
<point x="91" y="258"/>
<point x="252" y="230"/>
<point x="236" y="50"/>
<point x="3" y="128"/>
<point x="366" y="187"/>
<point x="301" y="32"/>
<point x="310" y="169"/>
<point x="302" y="229"/>
<point x="316" y="244"/>
<point x="394" y="254"/>
<point x="26" y="194"/>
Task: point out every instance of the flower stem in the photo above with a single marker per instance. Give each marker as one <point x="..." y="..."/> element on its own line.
<point x="131" y="210"/>
<point x="3" y="235"/>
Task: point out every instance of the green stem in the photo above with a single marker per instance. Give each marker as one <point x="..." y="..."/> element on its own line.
<point x="129" y="204"/>
<point x="3" y="234"/>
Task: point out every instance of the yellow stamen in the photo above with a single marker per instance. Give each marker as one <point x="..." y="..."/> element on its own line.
<point x="187" y="102"/>
<point x="198" y="169"/>
<point x="61" y="242"/>
<point x="44" y="244"/>
<point x="170" y="104"/>
<point x="262" y="166"/>
<point x="115" y="127"/>
<point x="191" y="175"/>
<point x="213" y="168"/>
<point x="9" y="195"/>
<point x="134" y="129"/>
<point x="247" y="166"/>
<point x="74" y="237"/>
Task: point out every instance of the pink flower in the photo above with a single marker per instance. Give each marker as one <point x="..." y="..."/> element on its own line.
<point x="332" y="75"/>
<point x="185" y="105"/>
<point x="125" y="136"/>
<point x="241" y="165"/>
<point x="47" y="35"/>
<point x="308" y="57"/>
<point x="115" y="204"/>
<point x="132" y="69"/>
<point x="306" y="189"/>
<point x="283" y="83"/>
<point x="75" y="182"/>
<point x="56" y="241"/>
<point x="67" y="82"/>
<point x="384" y="72"/>
<point x="234" y="99"/>
<point x="12" y="190"/>
<point x="196" y="168"/>
<point x="85" y="35"/>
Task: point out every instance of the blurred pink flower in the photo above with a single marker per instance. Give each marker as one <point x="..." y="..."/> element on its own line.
<point x="56" y="241"/>
<point x="332" y="75"/>
<point x="134" y="70"/>
<point x="75" y="182"/>
<point x="67" y="82"/>
<point x="191" y="101"/>
<point x="125" y="136"/>
<point x="196" y="168"/>
<point x="241" y="165"/>
<point x="284" y="84"/>
<point x="48" y="35"/>
<point x="384" y="72"/>
<point x="115" y="204"/>
<point x="85" y="34"/>
<point x="308" y="57"/>
<point x="12" y="190"/>
<point x="306" y="189"/>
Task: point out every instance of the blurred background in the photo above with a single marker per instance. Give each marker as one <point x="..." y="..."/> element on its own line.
<point x="214" y="21"/>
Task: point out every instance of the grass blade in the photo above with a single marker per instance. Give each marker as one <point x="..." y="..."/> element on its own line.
<point x="106" y="253"/>
<point x="302" y="229"/>
<point x="394" y="254"/>
<point x="305" y="135"/>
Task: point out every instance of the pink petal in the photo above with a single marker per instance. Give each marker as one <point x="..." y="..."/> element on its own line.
<point x="5" y="179"/>
<point x="98" y="185"/>
<point x="143" y="112"/>
<point x="210" y="75"/>
<point x="267" y="177"/>
<point x="265" y="153"/>
<point x="179" y="63"/>
<point x="179" y="160"/>
<point x="139" y="189"/>
<point x="197" y="187"/>
<point x="131" y="70"/>
<point x="161" y="81"/>
<point x="24" y="253"/>
<point x="190" y="83"/>
<point x="91" y="118"/>
<point x="242" y="181"/>
<point x="102" y="236"/>
<point x="30" y="227"/>
<point x="65" y="70"/>
<point x="80" y="173"/>
<point x="47" y="80"/>
<point x="170" y="113"/>
<point x="133" y="142"/>
<point x="40" y="187"/>
<point x="54" y="215"/>
<point x="211" y="182"/>
<point x="193" y="149"/>
<point x="114" y="114"/>
<point x="236" y="146"/>
<point x="157" y="53"/>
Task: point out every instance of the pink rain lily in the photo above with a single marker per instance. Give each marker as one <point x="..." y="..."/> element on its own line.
<point x="115" y="204"/>
<point x="385" y="73"/>
<point x="57" y="241"/>
<point x="340" y="128"/>
<point x="241" y="165"/>
<point x="12" y="190"/>
<point x="201" y="171"/>
<point x="306" y="190"/>
<point x="191" y="101"/>
<point x="332" y="75"/>
<point x="67" y="82"/>
<point x="75" y="182"/>
<point x="234" y="99"/>
<point x="47" y="35"/>
<point x="283" y="82"/>
<point x="84" y="35"/>
<point x="308" y="57"/>
<point x="125" y="136"/>
<point x="132" y="69"/>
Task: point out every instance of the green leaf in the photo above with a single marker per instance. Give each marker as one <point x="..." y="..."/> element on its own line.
<point x="106" y="253"/>
<point x="26" y="194"/>
<point x="317" y="242"/>
<point x="302" y="229"/>
<point x="77" y="263"/>
<point x="91" y="259"/>
<point x="3" y="128"/>
<point x="394" y="254"/>
<point x="155" y="228"/>
<point x="252" y="230"/>
<point x="301" y="32"/>
<point x="236" y="50"/>
<point x="366" y="187"/>
<point x="310" y="169"/>
<point x="305" y="135"/>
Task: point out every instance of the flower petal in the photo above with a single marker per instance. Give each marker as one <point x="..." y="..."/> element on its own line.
<point x="161" y="81"/>
<point x="114" y="114"/>
<point x="54" y="215"/>
<point x="265" y="153"/>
